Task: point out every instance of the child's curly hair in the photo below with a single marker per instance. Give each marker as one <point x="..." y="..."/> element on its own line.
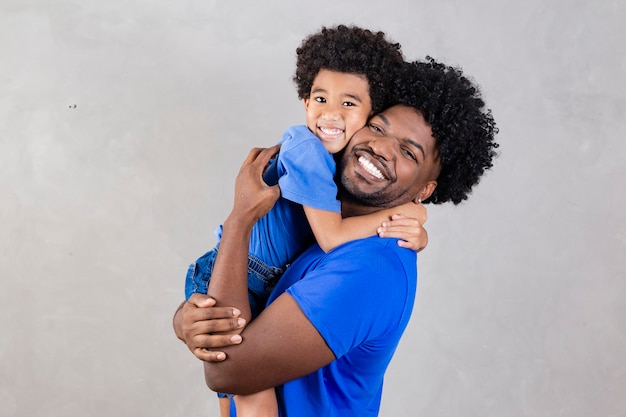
<point x="350" y="50"/>
<point x="464" y="130"/>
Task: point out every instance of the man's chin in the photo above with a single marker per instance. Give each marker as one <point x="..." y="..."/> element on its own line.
<point x="364" y="193"/>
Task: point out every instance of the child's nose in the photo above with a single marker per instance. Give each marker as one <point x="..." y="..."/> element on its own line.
<point x="331" y="113"/>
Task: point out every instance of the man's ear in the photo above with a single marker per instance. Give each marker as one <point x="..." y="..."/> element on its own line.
<point x="426" y="191"/>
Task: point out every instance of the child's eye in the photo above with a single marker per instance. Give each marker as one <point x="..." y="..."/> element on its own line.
<point x="348" y="104"/>
<point x="320" y="99"/>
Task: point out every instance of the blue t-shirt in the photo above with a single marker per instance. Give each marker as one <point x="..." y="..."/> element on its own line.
<point x="306" y="173"/>
<point x="359" y="296"/>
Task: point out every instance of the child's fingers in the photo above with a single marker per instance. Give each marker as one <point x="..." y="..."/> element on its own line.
<point x="402" y="222"/>
<point x="415" y="211"/>
<point x="408" y="230"/>
<point x="407" y="244"/>
<point x="397" y="232"/>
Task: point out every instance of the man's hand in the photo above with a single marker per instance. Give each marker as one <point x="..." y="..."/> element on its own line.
<point x="196" y="321"/>
<point x="253" y="197"/>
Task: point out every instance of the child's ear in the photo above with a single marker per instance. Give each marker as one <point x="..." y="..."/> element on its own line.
<point x="306" y="103"/>
<point x="426" y="192"/>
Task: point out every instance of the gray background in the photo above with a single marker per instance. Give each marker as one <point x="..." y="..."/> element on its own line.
<point x="122" y="126"/>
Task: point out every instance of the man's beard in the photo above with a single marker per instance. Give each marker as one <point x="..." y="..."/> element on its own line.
<point x="380" y="198"/>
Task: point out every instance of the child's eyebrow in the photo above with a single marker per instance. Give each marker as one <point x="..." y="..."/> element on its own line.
<point x="318" y="90"/>
<point x="350" y="96"/>
<point x="354" y="97"/>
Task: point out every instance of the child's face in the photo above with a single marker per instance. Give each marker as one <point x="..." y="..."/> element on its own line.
<point x="338" y="106"/>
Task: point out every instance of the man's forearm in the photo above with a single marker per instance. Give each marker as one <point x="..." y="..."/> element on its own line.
<point x="229" y="281"/>
<point x="253" y="199"/>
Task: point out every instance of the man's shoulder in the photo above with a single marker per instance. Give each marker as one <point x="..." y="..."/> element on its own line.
<point x="372" y="250"/>
<point x="375" y="242"/>
<point x="372" y="254"/>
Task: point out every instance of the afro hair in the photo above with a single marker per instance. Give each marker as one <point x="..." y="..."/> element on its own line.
<point x="463" y="129"/>
<point x="350" y="50"/>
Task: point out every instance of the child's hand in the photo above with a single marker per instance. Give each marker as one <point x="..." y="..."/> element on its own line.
<point x="413" y="210"/>
<point x="409" y="230"/>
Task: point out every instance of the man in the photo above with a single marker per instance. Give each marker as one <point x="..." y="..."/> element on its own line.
<point x="334" y="320"/>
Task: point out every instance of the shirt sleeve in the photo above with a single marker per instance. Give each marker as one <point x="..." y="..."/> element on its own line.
<point x="307" y="171"/>
<point x="357" y="294"/>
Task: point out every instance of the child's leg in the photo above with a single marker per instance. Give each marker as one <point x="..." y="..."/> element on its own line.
<point x="224" y="406"/>
<point x="199" y="274"/>
<point x="261" y="404"/>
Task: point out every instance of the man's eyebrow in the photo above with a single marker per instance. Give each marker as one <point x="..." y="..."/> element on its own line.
<point x="384" y="119"/>
<point x="417" y="145"/>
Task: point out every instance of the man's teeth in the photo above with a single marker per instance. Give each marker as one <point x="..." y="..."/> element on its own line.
<point x="369" y="167"/>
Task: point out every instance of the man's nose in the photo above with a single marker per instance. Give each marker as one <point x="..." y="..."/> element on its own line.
<point x="384" y="147"/>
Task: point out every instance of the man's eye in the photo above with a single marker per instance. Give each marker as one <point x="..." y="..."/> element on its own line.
<point x="375" y="128"/>
<point x="409" y="154"/>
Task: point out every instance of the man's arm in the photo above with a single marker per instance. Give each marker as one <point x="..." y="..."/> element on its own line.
<point x="253" y="199"/>
<point x="281" y="344"/>
<point x="194" y="321"/>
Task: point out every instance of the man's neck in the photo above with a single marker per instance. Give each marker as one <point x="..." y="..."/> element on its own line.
<point x="350" y="208"/>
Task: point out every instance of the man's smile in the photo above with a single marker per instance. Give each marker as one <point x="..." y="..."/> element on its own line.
<point x="372" y="166"/>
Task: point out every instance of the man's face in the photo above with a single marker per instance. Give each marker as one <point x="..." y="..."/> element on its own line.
<point x="391" y="161"/>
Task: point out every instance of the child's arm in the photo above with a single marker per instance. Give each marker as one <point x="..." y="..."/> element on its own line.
<point x="331" y="230"/>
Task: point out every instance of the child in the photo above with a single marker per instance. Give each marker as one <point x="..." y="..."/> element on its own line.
<point x="344" y="75"/>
